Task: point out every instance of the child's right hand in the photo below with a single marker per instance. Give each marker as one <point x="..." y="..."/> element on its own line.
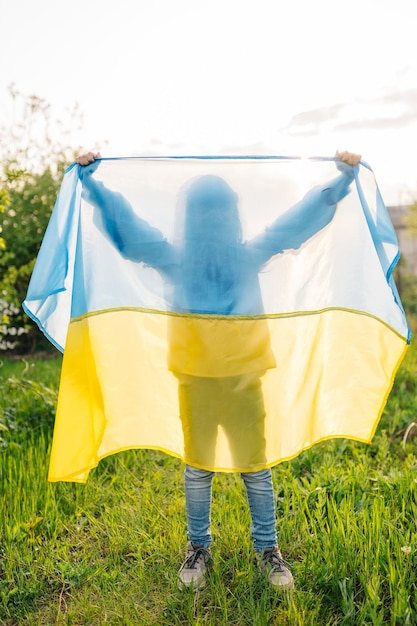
<point x="350" y="158"/>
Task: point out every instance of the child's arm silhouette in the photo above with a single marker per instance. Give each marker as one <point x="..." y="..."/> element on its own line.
<point x="308" y="216"/>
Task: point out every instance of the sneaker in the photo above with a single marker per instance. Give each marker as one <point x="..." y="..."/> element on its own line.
<point x="272" y="564"/>
<point x="193" y="570"/>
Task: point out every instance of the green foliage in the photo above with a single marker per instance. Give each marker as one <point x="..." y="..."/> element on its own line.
<point x="410" y="220"/>
<point x="10" y="328"/>
<point x="108" y="552"/>
<point x="27" y="405"/>
<point x="31" y="201"/>
<point x="32" y="165"/>
<point x="409" y="293"/>
<point x="4" y="202"/>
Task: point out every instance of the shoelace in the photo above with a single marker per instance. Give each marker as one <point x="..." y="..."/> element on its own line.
<point x="191" y="561"/>
<point x="275" y="560"/>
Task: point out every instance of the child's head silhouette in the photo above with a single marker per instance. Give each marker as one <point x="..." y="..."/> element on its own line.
<point x="211" y="211"/>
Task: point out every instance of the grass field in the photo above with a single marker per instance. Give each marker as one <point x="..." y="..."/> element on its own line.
<point x="108" y="552"/>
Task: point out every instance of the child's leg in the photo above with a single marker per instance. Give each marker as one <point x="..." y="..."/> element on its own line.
<point x="262" y="506"/>
<point x="261" y="500"/>
<point x="197" y="484"/>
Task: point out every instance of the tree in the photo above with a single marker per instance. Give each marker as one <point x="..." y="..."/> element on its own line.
<point x="34" y="151"/>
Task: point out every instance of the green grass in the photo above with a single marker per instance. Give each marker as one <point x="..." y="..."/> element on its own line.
<point x="108" y="552"/>
<point x="46" y="370"/>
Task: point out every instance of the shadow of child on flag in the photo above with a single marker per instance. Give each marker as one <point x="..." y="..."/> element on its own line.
<point x="219" y="345"/>
<point x="218" y="357"/>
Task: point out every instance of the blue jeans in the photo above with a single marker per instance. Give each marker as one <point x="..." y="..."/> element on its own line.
<point x="260" y="493"/>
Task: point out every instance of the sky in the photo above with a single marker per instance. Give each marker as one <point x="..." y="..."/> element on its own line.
<point x="301" y="77"/>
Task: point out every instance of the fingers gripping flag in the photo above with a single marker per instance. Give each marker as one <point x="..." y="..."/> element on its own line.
<point x="229" y="311"/>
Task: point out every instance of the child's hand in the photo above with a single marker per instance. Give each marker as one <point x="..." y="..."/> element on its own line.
<point x="350" y="158"/>
<point x="87" y="158"/>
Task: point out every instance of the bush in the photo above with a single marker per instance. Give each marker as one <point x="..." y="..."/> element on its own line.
<point x="31" y="170"/>
<point x="11" y="328"/>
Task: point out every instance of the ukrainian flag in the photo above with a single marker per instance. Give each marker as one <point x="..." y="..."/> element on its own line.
<point x="230" y="311"/>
